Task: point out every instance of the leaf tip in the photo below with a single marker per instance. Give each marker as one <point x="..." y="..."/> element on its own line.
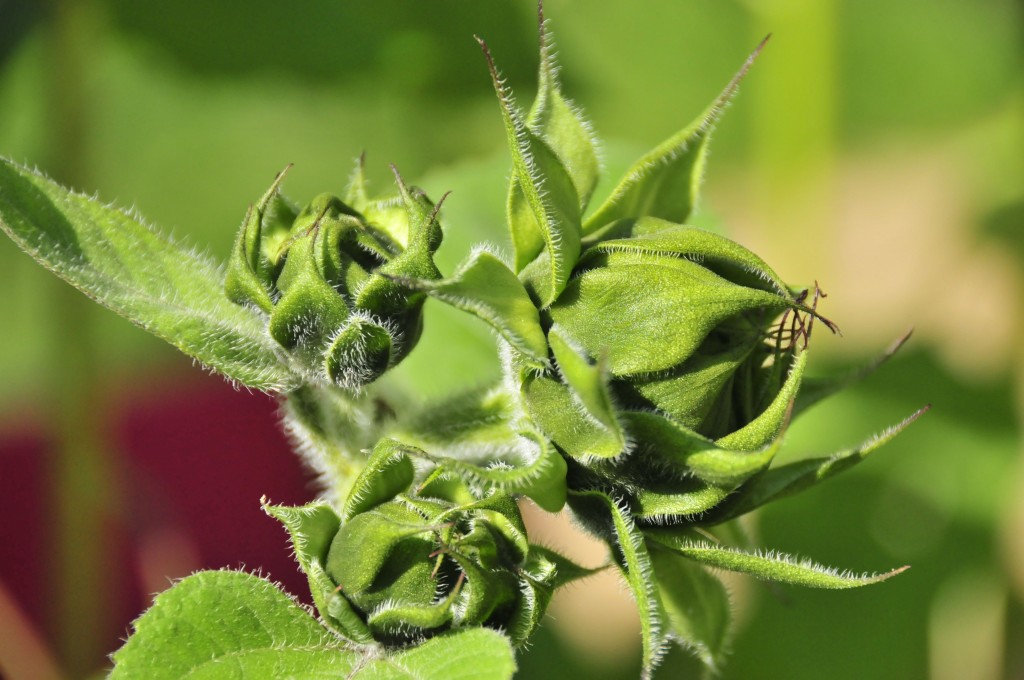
<point x="730" y="89"/>
<point x="915" y="415"/>
<point x="879" y="578"/>
<point x="902" y="339"/>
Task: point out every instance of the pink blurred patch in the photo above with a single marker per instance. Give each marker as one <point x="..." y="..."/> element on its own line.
<point x="195" y="456"/>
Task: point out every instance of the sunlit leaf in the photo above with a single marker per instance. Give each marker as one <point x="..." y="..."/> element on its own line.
<point x="218" y="624"/>
<point x="543" y="206"/>
<point x="650" y="314"/>
<point x="588" y="383"/>
<point x="486" y="288"/>
<point x="225" y="624"/>
<point x="635" y="561"/>
<point x="769" y="566"/>
<point x="664" y="183"/>
<point x="669" y="444"/>
<point x="792" y="478"/>
<point x="561" y="124"/>
<point x="111" y="256"/>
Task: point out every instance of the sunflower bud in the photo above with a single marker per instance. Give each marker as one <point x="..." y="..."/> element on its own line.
<point x="400" y="563"/>
<point x="685" y="319"/>
<point x="661" y="359"/>
<point x="329" y="278"/>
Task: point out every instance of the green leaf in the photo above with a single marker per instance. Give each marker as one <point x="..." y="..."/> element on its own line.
<point x="468" y="654"/>
<point x="501" y="524"/>
<point x="485" y="287"/>
<point x="769" y="566"/>
<point x="565" y="570"/>
<point x="247" y="279"/>
<point x="391" y="542"/>
<point x="665" y="182"/>
<point x="786" y="480"/>
<point x="387" y="473"/>
<point x="356" y="193"/>
<point x="635" y="561"/>
<point x="816" y="389"/>
<point x="688" y="393"/>
<point x="531" y="467"/>
<point x="310" y="309"/>
<point x="169" y="290"/>
<point x="397" y="617"/>
<point x="562" y="419"/>
<point x="672" y="500"/>
<point x="695" y="606"/>
<point x="312" y="529"/>
<point x="667" y="443"/>
<point x="653" y="236"/>
<point x="768" y="426"/>
<point x="385" y="293"/>
<point x="543" y="207"/>
<point x="589" y="385"/>
<point x="544" y="571"/>
<point x="560" y="123"/>
<point x="651" y="313"/>
<point x="226" y="624"/>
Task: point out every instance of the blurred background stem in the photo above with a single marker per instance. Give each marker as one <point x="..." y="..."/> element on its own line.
<point x="80" y="462"/>
<point x="793" y="133"/>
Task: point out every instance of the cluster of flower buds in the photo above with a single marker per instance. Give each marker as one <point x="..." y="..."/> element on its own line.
<point x="411" y="556"/>
<point x="329" y="278"/>
<point x="661" y="360"/>
<point x="651" y="369"/>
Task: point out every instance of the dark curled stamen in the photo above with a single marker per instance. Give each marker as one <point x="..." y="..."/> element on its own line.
<point x="795" y="325"/>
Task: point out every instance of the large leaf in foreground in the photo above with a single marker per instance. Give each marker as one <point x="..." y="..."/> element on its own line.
<point x="229" y="624"/>
<point x="118" y="261"/>
<point x="226" y="624"/>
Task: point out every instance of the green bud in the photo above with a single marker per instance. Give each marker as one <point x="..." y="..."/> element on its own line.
<point x="330" y="278"/>
<point x="672" y="356"/>
<point x="415" y="562"/>
<point x="689" y="322"/>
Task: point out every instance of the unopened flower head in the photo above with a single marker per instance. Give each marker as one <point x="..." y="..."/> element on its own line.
<point x="329" y="276"/>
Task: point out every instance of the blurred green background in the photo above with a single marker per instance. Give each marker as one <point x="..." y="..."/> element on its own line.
<point x="877" y="147"/>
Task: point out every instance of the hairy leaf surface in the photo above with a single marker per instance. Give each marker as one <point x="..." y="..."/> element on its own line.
<point x="226" y="624"/>
<point x="111" y="256"/>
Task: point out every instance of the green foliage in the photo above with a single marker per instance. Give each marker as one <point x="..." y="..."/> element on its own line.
<point x="241" y="626"/>
<point x="665" y="182"/>
<point x="650" y="372"/>
<point x="114" y="258"/>
<point x="400" y="563"/>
